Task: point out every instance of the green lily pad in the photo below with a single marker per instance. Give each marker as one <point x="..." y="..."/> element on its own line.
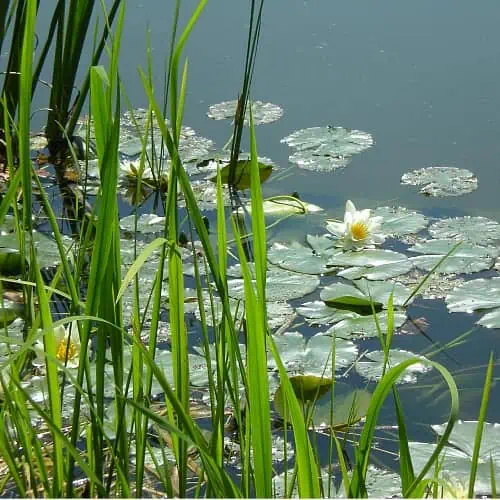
<point x="478" y="230"/>
<point x="11" y="263"/>
<point x="319" y="313"/>
<point x="362" y="293"/>
<point x="467" y="258"/>
<point x="399" y="221"/>
<point x="365" y="326"/>
<point x="242" y="175"/>
<point x="372" y="369"/>
<point x="262" y="112"/>
<point x="313" y="356"/>
<point x="298" y="258"/>
<point x="281" y="285"/>
<point x="326" y="148"/>
<point x="307" y="388"/>
<point x="441" y="181"/>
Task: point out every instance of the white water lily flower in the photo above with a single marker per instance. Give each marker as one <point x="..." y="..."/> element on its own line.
<point x="359" y="230"/>
<point x="67" y="342"/>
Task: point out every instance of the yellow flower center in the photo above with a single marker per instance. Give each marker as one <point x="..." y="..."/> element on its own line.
<point x="66" y="350"/>
<point x="359" y="230"/>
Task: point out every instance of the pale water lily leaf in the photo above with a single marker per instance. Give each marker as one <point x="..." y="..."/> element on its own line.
<point x="146" y="223"/>
<point x="313" y="356"/>
<point x="363" y="292"/>
<point x="281" y="285"/>
<point x="372" y="369"/>
<point x="467" y="258"/>
<point x="326" y="148"/>
<point x="478" y="230"/>
<point x="454" y="470"/>
<point x="399" y="221"/>
<point x="319" y="313"/>
<point x="301" y="259"/>
<point x="441" y="181"/>
<point x="365" y="326"/>
<point x="381" y="272"/>
<point x="379" y="483"/>
<point x="262" y="112"/>
<point x="478" y="295"/>
<point x="463" y="434"/>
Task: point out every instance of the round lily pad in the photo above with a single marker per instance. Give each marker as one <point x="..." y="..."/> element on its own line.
<point x="326" y="148"/>
<point x="399" y="221"/>
<point x="467" y="258"/>
<point x="262" y="112"/>
<point x="319" y="313"/>
<point x="478" y="230"/>
<point x="441" y="181"/>
<point x="146" y="223"/>
<point x="373" y="369"/>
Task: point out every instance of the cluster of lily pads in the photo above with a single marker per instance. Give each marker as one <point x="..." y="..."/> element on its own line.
<point x="356" y="264"/>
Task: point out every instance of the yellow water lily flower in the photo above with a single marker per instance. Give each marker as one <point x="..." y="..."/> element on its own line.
<point x="67" y="346"/>
<point x="359" y="230"/>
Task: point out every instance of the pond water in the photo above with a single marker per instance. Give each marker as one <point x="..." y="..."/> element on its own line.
<point x="421" y="77"/>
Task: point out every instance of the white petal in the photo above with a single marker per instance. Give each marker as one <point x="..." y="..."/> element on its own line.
<point x="349" y="207"/>
<point x="365" y="214"/>
<point x="336" y="228"/>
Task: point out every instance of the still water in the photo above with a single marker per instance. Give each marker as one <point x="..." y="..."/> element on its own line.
<point x="421" y="77"/>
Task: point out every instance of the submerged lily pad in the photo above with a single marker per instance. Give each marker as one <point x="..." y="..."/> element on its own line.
<point x="478" y="230"/>
<point x="467" y="258"/>
<point x="301" y="259"/>
<point x="313" y="356"/>
<point x="326" y="148"/>
<point x="399" y="221"/>
<point x="441" y="181"/>
<point x="262" y="112"/>
<point x="362" y="293"/>
<point x="373" y="369"/>
<point x="478" y="295"/>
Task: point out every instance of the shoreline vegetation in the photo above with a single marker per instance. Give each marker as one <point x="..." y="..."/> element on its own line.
<point x="101" y="391"/>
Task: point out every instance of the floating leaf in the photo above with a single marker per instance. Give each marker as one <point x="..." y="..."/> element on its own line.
<point x="262" y="112"/>
<point x="373" y="369"/>
<point x="313" y="357"/>
<point x="281" y="285"/>
<point x="478" y="230"/>
<point x="362" y="293"/>
<point x="319" y="313"/>
<point x="379" y="483"/>
<point x="146" y="223"/>
<point x="301" y="259"/>
<point x="467" y="258"/>
<point x="441" y="181"/>
<point x="399" y="221"/>
<point x="326" y="148"/>
<point x="242" y="174"/>
<point x="365" y="326"/>
<point x="478" y="295"/>
<point x="381" y="272"/>
<point x="10" y="262"/>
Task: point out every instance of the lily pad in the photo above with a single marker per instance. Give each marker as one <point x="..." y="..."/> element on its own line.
<point x="467" y="258"/>
<point x="10" y="262"/>
<point x="326" y="148"/>
<point x="399" y="221"/>
<point x="362" y="293"/>
<point x="478" y="295"/>
<point x="441" y="181"/>
<point x="280" y="206"/>
<point x="308" y="260"/>
<point x="319" y="313"/>
<point x="379" y="483"/>
<point x="262" y="112"/>
<point x="281" y="285"/>
<point x="313" y="356"/>
<point x="478" y="230"/>
<point x="372" y="369"/>
<point x="382" y="272"/>
<point x="365" y="326"/>
<point x="242" y="175"/>
<point x="146" y="224"/>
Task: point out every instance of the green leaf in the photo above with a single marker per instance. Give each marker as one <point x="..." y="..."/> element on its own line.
<point x="242" y="175"/>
